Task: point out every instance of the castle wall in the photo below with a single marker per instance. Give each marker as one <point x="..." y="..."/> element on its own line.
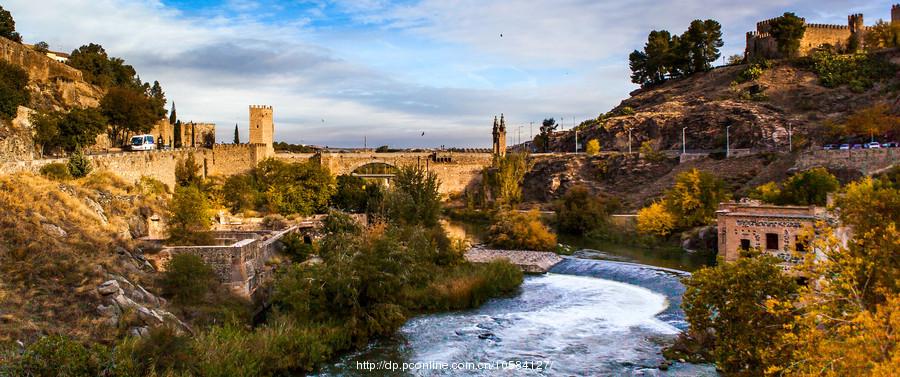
<point x="38" y="65"/>
<point x="819" y="34"/>
<point x="867" y="161"/>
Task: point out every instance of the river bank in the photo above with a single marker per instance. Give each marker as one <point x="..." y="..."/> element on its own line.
<point x="531" y="262"/>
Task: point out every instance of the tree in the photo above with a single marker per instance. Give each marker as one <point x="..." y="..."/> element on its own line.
<point x="788" y="30"/>
<point x="351" y="194"/>
<point x="655" y="220"/>
<point x="695" y="197"/>
<point x="42" y="47"/>
<point x="176" y="130"/>
<point x="542" y="140"/>
<point x="13" y="93"/>
<point x="188" y="220"/>
<point x="729" y="304"/>
<point x="237" y="135"/>
<point x="414" y="197"/>
<point x="241" y="192"/>
<point x="508" y="177"/>
<point x="810" y="187"/>
<point x="637" y="61"/>
<point x="592" y="148"/>
<point x="580" y="212"/>
<point x="173" y="118"/>
<point x="67" y="131"/>
<point x="8" y="26"/>
<point x="157" y="100"/>
<point x="187" y="172"/>
<point x="101" y="70"/>
<point x="735" y="59"/>
<point x="298" y="188"/>
<point x="882" y="35"/>
<point x="520" y="231"/>
<point x="187" y="279"/>
<point x="128" y="111"/>
<point x="79" y="165"/>
<point x="871" y="121"/>
<point x="702" y="41"/>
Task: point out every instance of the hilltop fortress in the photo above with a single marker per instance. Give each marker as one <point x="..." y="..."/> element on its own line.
<point x="761" y="44"/>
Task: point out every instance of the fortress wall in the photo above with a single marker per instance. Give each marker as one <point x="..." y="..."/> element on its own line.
<point x="818" y="34"/>
<point x="38" y="65"/>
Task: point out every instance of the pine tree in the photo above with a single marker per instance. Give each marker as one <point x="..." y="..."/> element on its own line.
<point x="172" y="117"/>
<point x="193" y="144"/>
<point x="176" y="130"/>
<point x="237" y="139"/>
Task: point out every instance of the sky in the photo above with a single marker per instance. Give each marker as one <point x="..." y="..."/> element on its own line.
<point x="339" y="72"/>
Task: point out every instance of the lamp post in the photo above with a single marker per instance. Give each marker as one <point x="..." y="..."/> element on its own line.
<point x="727" y="143"/>
<point x="629" y="141"/>
<point x="790" y="137"/>
<point x="683" y="140"/>
<point x="576" y="141"/>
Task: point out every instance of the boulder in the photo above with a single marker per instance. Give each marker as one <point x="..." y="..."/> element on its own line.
<point x="109" y="287"/>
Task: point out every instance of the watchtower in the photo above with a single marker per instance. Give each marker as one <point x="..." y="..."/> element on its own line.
<point x="855" y="22"/>
<point x="895" y="13"/>
<point x="262" y="127"/>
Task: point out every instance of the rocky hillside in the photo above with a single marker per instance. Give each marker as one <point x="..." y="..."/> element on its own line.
<point x="758" y="111"/>
<point x="70" y="262"/>
<point x="52" y="86"/>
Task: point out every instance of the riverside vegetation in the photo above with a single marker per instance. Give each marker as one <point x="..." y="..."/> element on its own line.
<point x="369" y="280"/>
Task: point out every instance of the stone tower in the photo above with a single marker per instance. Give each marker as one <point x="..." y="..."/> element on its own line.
<point x="855" y="22"/>
<point x="499" y="145"/>
<point x="262" y="127"/>
<point x="895" y="13"/>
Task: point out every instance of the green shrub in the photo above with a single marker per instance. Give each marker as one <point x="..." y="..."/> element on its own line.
<point x="164" y="352"/>
<point x="189" y="222"/>
<point x="57" y="355"/>
<point x="523" y="231"/>
<point x="858" y="71"/>
<point x="13" y="92"/>
<point x="295" y="248"/>
<point x="187" y="279"/>
<point x="79" y="165"/>
<point x="626" y="110"/>
<point x="241" y="192"/>
<point x="414" y="197"/>
<point x="56" y="171"/>
<point x="580" y="212"/>
<point x="467" y="286"/>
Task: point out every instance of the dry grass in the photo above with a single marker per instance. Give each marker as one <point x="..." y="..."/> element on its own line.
<point x="49" y="278"/>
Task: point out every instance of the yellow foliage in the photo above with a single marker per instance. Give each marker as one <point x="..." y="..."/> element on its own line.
<point x="524" y="231"/>
<point x="655" y="220"/>
<point x="592" y="148"/>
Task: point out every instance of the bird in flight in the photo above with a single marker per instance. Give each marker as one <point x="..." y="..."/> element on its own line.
<point x="501" y="35"/>
<point x="423" y="133"/>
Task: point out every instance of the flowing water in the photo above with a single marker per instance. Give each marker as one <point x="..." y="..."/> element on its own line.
<point x="586" y="318"/>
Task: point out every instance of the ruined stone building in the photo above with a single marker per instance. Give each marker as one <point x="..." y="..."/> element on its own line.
<point x="777" y="230"/>
<point x="761" y="44"/>
<point x="499" y="144"/>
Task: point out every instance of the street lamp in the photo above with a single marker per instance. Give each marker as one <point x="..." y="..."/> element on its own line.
<point x="629" y="141"/>
<point x="790" y="137"/>
<point x="727" y="144"/>
<point x="683" y="138"/>
<point x="576" y="141"/>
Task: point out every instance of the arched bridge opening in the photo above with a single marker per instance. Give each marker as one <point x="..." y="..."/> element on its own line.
<point x="380" y="172"/>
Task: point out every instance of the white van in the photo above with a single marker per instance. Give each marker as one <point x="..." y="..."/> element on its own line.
<point x="142" y="143"/>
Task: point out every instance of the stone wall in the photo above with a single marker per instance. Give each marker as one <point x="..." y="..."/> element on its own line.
<point x="867" y="161"/>
<point x="221" y="160"/>
<point x="38" y="65"/>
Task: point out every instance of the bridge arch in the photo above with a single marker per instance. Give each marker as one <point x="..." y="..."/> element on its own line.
<point x="374" y="168"/>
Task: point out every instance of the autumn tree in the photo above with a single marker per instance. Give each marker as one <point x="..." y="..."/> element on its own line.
<point x="695" y="197"/>
<point x="8" y="26"/>
<point x="189" y="218"/>
<point x="873" y="120"/>
<point x="788" y="30"/>
<point x="520" y="231"/>
<point x="581" y="212"/>
<point x="187" y="172"/>
<point x="592" y="148"/>
<point x="655" y="220"/>
<point x="882" y="35"/>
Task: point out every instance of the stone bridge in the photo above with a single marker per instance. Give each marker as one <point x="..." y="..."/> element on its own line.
<point x="456" y="170"/>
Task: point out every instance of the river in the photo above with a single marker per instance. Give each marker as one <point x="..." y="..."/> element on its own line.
<point x="586" y="317"/>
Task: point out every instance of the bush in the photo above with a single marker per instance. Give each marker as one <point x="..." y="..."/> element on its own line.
<point x="13" y="93"/>
<point x="187" y="279"/>
<point x="649" y="152"/>
<point x="241" y="193"/>
<point x="79" y="165"/>
<point x="56" y="171"/>
<point x="592" y="148"/>
<point x="356" y="195"/>
<point x="522" y="231"/>
<point x="187" y="172"/>
<point x="295" y="248"/>
<point x="467" y="286"/>
<point x="414" y="197"/>
<point x="162" y="352"/>
<point x="580" y="212"/>
<point x="57" y="355"/>
<point x="188" y="221"/>
<point x="858" y="71"/>
<point x="298" y="188"/>
<point x="810" y="187"/>
<point x="655" y="220"/>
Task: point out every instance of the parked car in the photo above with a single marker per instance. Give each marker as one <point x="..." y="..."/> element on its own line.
<point x="829" y="147"/>
<point x="890" y="144"/>
<point x="142" y="143"/>
<point x="856" y="146"/>
<point x="873" y="145"/>
<point x="845" y="147"/>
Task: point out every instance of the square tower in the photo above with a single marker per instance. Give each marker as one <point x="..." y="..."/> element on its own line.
<point x="262" y="127"/>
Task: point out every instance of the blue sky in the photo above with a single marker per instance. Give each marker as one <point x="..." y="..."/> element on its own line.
<point x="337" y="71"/>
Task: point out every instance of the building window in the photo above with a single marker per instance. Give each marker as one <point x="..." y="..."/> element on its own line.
<point x="745" y="244"/>
<point x="771" y="241"/>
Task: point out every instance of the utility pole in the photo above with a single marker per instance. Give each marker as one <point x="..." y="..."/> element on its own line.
<point x="727" y="144"/>
<point x="629" y="141"/>
<point x="365" y="142"/>
<point x="531" y="131"/>
<point x="520" y="135"/>
<point x="683" y="140"/>
<point x="790" y="137"/>
<point x="576" y="140"/>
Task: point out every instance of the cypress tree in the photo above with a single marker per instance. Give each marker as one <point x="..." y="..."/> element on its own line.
<point x="237" y="139"/>
<point x="177" y="134"/>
